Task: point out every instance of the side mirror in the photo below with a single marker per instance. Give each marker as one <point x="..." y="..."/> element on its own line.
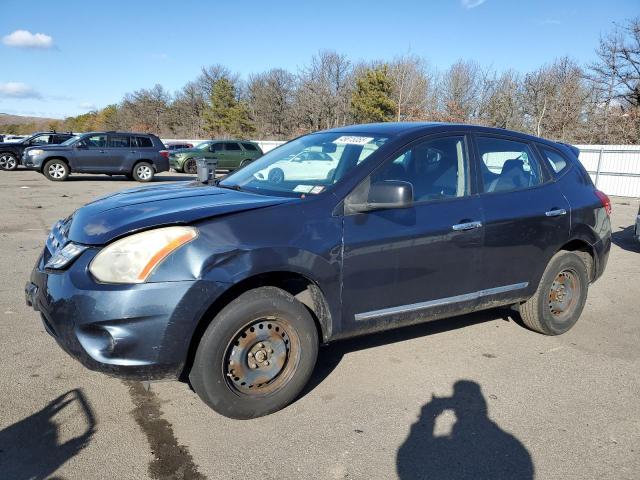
<point x="386" y="195"/>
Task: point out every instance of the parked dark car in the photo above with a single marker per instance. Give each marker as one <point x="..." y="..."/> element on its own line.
<point x="11" y="152"/>
<point x="230" y="154"/>
<point x="138" y="156"/>
<point x="234" y="286"/>
<point x="178" y="146"/>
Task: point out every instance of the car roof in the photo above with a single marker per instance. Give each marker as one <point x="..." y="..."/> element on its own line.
<point x="397" y="129"/>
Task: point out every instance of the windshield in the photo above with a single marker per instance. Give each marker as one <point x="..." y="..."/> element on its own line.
<point x="203" y="145"/>
<point x="70" y="140"/>
<point x="307" y="165"/>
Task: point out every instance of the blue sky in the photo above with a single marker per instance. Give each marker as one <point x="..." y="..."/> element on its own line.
<point x="91" y="54"/>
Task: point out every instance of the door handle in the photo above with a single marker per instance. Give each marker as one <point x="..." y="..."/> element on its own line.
<point x="459" y="227"/>
<point x="556" y="212"/>
<point x="101" y="151"/>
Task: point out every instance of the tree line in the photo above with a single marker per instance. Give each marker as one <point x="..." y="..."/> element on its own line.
<point x="563" y="100"/>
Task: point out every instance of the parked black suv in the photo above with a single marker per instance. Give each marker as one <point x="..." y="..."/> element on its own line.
<point x="136" y="155"/>
<point x="234" y="286"/>
<point x="11" y="152"/>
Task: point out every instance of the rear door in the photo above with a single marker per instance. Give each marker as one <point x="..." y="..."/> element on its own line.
<point x="91" y="154"/>
<point x="232" y="155"/>
<point x="526" y="216"/>
<point x="120" y="154"/>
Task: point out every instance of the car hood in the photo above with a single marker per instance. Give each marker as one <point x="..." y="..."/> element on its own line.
<point x="47" y="147"/>
<point x="127" y="211"/>
<point x="185" y="150"/>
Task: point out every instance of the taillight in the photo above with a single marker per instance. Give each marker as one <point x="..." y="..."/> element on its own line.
<point x="606" y="203"/>
<point x="164" y="154"/>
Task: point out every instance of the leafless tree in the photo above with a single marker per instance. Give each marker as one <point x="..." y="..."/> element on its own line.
<point x="270" y="99"/>
<point x="412" y="85"/>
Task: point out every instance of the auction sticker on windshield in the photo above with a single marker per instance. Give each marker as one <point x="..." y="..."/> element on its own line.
<point x="353" y="140"/>
<point x="303" y="188"/>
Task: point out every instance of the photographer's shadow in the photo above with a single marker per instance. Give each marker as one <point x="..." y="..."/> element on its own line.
<point x="476" y="448"/>
<point x="32" y="448"/>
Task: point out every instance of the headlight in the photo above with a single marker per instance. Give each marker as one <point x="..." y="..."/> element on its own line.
<point x="133" y="258"/>
<point x="65" y="256"/>
<point x="37" y="151"/>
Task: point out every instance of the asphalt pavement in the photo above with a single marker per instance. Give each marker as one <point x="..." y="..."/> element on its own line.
<point x="471" y="397"/>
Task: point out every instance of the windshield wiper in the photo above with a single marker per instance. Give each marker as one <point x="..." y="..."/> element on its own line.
<point x="237" y="188"/>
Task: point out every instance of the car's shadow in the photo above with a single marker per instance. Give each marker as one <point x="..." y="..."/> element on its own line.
<point x="38" y="445"/>
<point x="78" y="177"/>
<point x="624" y="239"/>
<point x="330" y="356"/>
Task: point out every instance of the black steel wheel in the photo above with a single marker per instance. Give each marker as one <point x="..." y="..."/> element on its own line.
<point x="256" y="355"/>
<point x="560" y="297"/>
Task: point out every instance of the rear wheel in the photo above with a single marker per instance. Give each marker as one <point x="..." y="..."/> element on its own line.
<point x="8" y="161"/>
<point x="143" y="172"/>
<point x="244" y="163"/>
<point x="56" y="170"/>
<point x="190" y="166"/>
<point x="256" y="355"/>
<point x="276" y="175"/>
<point x="560" y="297"/>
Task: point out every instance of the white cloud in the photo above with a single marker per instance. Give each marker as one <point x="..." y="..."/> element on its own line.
<point x="18" y="90"/>
<point x="87" y="106"/>
<point x="26" y="39"/>
<point x="472" y="3"/>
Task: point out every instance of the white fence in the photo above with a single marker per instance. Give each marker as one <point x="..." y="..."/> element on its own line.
<point x="615" y="169"/>
<point x="265" y="145"/>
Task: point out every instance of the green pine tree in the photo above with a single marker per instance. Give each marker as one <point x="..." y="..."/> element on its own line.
<point x="371" y="100"/>
<point x="226" y="116"/>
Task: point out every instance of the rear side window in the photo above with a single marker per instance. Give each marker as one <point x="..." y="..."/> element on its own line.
<point x="250" y="146"/>
<point x="231" y="146"/>
<point x="41" y="140"/>
<point x="118" y="141"/>
<point x="557" y="161"/>
<point x="143" y="142"/>
<point x="507" y="165"/>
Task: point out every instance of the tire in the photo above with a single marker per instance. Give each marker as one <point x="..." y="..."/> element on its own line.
<point x="262" y="325"/>
<point x="143" y="172"/>
<point x="190" y="166"/>
<point x="276" y="175"/>
<point x="8" y="161"/>
<point x="560" y="297"/>
<point x="245" y="162"/>
<point x="56" y="170"/>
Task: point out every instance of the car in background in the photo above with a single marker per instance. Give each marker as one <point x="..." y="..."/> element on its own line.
<point x="138" y="156"/>
<point x="307" y="165"/>
<point x="231" y="155"/>
<point x="178" y="146"/>
<point x="14" y="138"/>
<point x="11" y="151"/>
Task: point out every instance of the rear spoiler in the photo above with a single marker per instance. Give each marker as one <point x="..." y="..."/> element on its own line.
<point x="574" y="150"/>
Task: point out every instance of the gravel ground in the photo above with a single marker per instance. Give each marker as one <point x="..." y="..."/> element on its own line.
<point x="468" y="397"/>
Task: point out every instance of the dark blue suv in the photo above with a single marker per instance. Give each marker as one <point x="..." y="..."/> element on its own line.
<point x="233" y="286"/>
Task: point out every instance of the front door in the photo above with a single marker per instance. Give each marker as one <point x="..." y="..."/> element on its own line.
<point x="527" y="218"/>
<point x="407" y="265"/>
<point x="91" y="154"/>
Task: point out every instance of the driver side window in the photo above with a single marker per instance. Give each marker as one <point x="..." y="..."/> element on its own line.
<point x="436" y="169"/>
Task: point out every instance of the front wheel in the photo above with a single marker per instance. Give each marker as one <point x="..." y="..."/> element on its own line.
<point x="143" y="172"/>
<point x="560" y="297"/>
<point x="256" y="355"/>
<point x="56" y="170"/>
<point x="8" y="161"/>
<point x="190" y="166"/>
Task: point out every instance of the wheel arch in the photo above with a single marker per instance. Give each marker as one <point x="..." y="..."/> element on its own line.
<point x="303" y="288"/>
<point x="146" y="160"/>
<point x="585" y="251"/>
<point x="54" y="157"/>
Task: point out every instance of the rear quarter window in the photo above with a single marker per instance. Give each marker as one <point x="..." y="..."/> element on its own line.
<point x="250" y="146"/>
<point x="144" y="142"/>
<point x="558" y="162"/>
